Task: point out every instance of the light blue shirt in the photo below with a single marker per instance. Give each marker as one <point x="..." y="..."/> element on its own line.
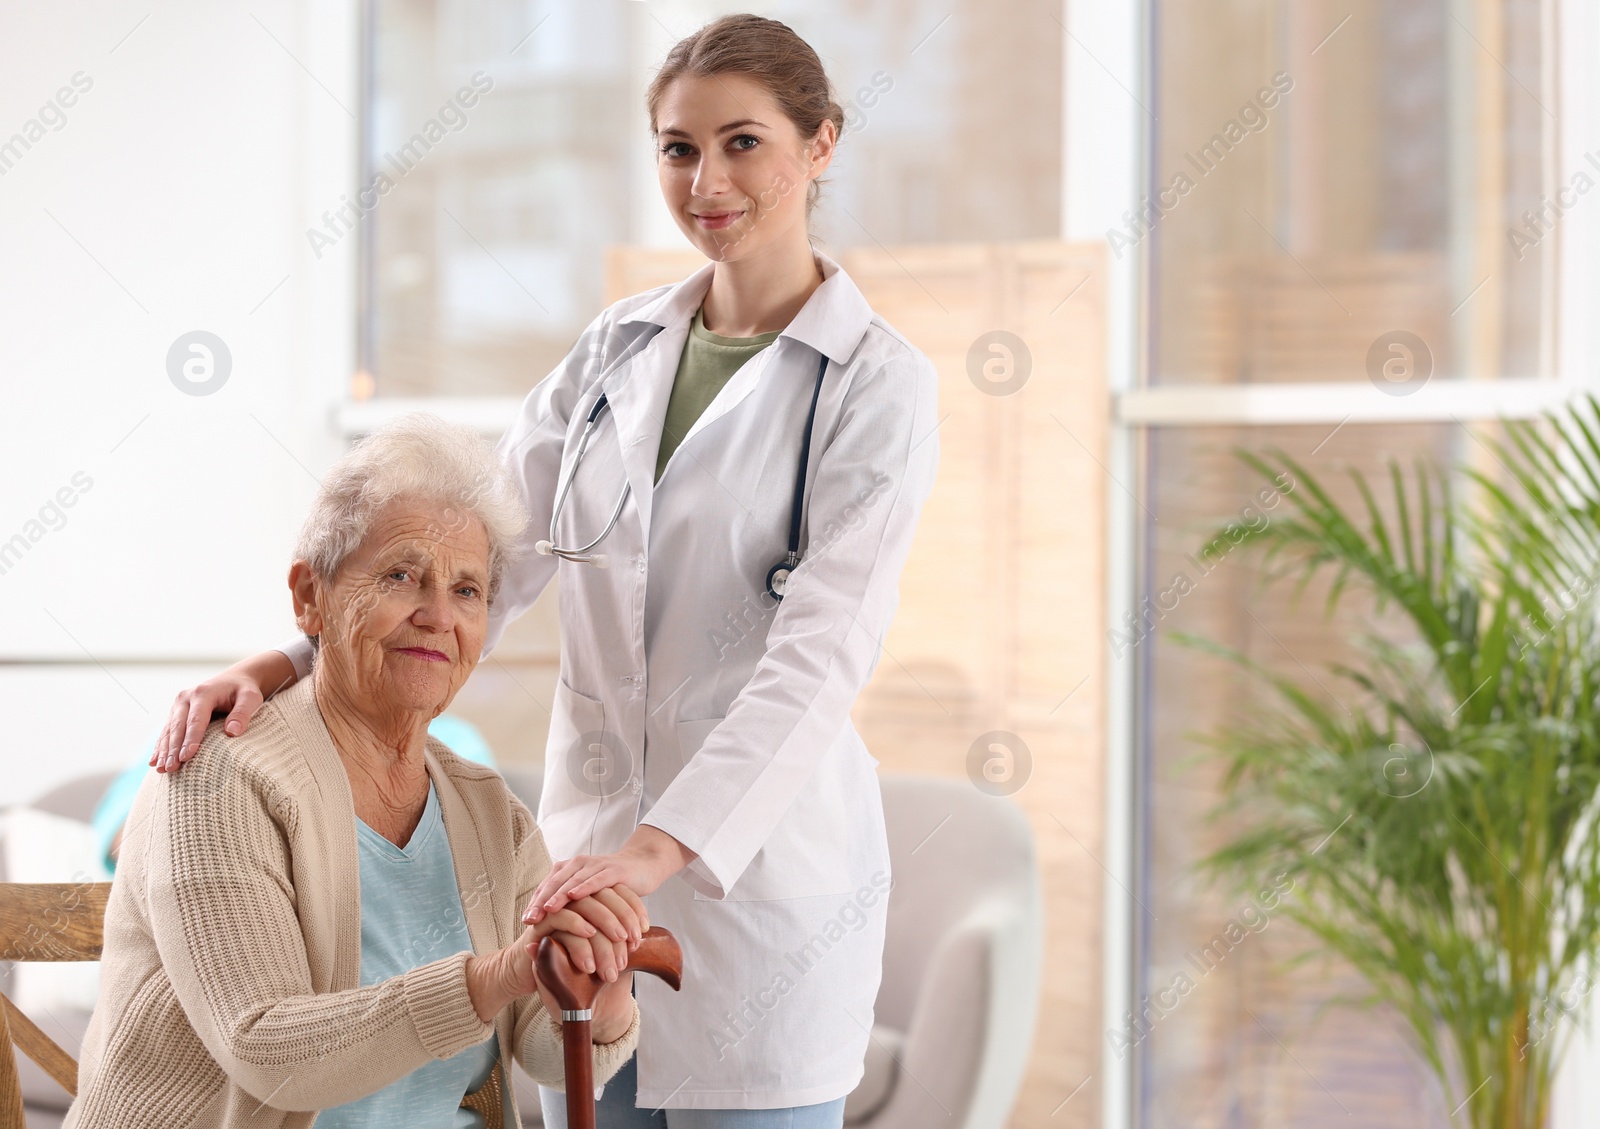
<point x="411" y="915"/>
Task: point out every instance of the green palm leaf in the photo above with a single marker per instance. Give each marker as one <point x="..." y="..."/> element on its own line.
<point x="1442" y="826"/>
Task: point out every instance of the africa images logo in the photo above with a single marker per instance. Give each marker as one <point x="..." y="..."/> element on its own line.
<point x="339" y="222"/>
<point x="1252" y="117"/>
<point x="51" y="115"/>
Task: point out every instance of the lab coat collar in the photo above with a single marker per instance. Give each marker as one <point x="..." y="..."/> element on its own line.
<point x="833" y="320"/>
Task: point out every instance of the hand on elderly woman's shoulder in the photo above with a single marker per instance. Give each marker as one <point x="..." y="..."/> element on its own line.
<point x="240" y="690"/>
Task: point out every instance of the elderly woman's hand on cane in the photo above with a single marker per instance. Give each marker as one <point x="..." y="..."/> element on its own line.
<point x="599" y="933"/>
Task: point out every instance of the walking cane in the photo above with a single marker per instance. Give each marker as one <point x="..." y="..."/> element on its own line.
<point x="575" y="990"/>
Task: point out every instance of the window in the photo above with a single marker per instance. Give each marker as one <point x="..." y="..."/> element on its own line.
<point x="1354" y="197"/>
<point x="485" y="259"/>
<point x="1333" y="180"/>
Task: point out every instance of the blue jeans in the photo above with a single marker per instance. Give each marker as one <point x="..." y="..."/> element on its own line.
<point x="615" y="1110"/>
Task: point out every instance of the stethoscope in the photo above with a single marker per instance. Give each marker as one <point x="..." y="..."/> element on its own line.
<point x="777" y="575"/>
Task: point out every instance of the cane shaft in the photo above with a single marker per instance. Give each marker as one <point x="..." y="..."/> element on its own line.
<point x="577" y="1045"/>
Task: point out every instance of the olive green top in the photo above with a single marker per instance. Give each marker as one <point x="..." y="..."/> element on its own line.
<point x="708" y="360"/>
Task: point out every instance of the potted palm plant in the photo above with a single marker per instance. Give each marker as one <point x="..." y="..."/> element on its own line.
<point x="1443" y="833"/>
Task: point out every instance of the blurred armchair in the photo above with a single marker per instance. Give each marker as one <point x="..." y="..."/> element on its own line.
<point x="956" y="1009"/>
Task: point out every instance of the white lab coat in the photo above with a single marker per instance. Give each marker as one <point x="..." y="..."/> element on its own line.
<point x="688" y="701"/>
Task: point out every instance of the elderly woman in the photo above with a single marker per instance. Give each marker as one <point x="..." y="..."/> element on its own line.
<point x="324" y="914"/>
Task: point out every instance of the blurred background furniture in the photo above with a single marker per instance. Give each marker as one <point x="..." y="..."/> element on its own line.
<point x="955" y="1014"/>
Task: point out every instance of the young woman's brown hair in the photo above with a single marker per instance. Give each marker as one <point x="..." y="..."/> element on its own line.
<point x="770" y="53"/>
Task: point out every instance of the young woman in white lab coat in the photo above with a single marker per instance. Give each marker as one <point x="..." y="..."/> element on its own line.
<point x="701" y="750"/>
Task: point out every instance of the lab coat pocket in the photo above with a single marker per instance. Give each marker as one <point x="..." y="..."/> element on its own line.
<point x="806" y="855"/>
<point x="582" y="761"/>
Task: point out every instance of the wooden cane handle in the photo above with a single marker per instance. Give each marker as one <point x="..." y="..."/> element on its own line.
<point x="574" y="989"/>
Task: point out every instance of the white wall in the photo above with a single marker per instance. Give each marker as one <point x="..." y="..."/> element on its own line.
<point x="174" y="198"/>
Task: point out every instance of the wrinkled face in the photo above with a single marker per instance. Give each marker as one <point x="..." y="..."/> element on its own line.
<point x="733" y="168"/>
<point x="403" y="623"/>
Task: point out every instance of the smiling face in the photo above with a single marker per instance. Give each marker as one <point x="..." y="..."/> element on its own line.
<point x="402" y="625"/>
<point x="733" y="168"/>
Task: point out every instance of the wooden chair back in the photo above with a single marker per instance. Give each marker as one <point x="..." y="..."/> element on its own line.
<point x="43" y="922"/>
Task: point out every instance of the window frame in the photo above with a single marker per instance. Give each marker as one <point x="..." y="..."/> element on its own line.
<point x="1126" y="29"/>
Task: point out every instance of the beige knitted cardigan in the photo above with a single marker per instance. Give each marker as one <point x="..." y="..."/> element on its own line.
<point x="229" y="989"/>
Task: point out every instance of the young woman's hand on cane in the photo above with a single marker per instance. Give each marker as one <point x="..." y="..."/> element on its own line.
<point x="646" y="860"/>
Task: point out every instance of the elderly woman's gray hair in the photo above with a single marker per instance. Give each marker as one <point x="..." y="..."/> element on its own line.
<point x="415" y="457"/>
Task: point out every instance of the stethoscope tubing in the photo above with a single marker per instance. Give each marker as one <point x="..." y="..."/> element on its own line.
<point x="805" y="458"/>
<point x="583" y="444"/>
<point x="776" y="576"/>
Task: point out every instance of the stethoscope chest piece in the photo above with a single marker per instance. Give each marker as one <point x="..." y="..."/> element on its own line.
<point x="778" y="578"/>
